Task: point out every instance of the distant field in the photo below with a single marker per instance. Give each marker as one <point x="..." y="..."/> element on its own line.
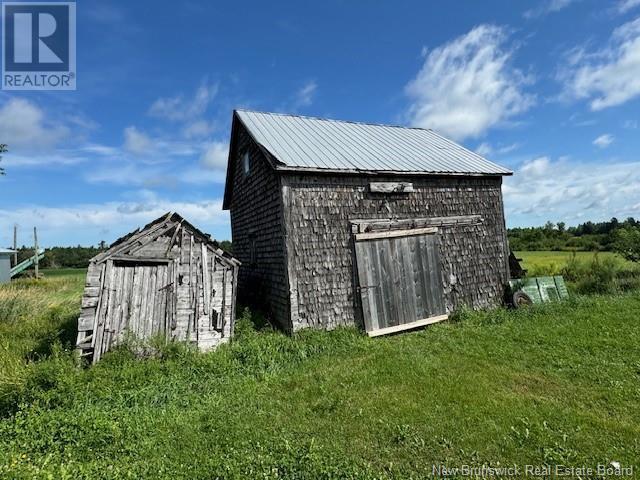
<point x="63" y="272"/>
<point x="554" y="261"/>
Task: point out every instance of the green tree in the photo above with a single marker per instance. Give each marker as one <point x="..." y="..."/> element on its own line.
<point x="549" y="226"/>
<point x="627" y="243"/>
<point x="3" y="149"/>
<point x="561" y="226"/>
<point x="226" y="246"/>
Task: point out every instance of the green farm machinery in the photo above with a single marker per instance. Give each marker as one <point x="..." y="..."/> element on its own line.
<point x="529" y="290"/>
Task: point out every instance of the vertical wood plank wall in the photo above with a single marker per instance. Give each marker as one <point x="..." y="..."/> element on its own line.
<point x="175" y="284"/>
<point x="399" y="280"/>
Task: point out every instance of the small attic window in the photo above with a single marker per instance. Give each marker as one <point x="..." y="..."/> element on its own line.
<point x="246" y="163"/>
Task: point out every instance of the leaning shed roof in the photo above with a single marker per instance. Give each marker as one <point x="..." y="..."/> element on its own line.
<point x="168" y="222"/>
<point x="307" y="143"/>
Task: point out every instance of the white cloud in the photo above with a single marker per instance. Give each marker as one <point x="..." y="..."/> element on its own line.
<point x="576" y="120"/>
<point x="486" y="149"/>
<point x="103" y="150"/>
<point x="181" y="108"/>
<point x="609" y="76"/>
<point x="188" y="164"/>
<point x="468" y="85"/>
<point x="200" y="175"/>
<point x="156" y="149"/>
<point x="624" y="6"/>
<point x="563" y="190"/>
<point x="198" y="129"/>
<point x="306" y="94"/>
<point x="110" y="220"/>
<point x="537" y="167"/>
<point x="137" y="142"/>
<point x="23" y="125"/>
<point x="129" y="173"/>
<point x="549" y="6"/>
<point x="42" y="161"/>
<point x="603" y="141"/>
<point x="300" y="98"/>
<point x="215" y="156"/>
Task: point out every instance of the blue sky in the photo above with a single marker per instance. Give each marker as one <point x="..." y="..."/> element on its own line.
<point x="550" y="89"/>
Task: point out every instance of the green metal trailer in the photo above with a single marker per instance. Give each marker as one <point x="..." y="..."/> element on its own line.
<point x="525" y="291"/>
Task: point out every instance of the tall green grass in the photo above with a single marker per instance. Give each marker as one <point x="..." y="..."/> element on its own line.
<point x="585" y="272"/>
<point x="557" y="383"/>
<point x="35" y="315"/>
<point x="601" y="276"/>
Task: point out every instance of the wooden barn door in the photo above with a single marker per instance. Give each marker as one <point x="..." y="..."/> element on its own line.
<point x="399" y="274"/>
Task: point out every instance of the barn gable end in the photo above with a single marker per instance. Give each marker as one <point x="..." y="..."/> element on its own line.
<point x="168" y="279"/>
<point x="257" y="226"/>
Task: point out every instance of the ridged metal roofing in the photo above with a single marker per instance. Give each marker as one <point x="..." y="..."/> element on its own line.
<point x="313" y="143"/>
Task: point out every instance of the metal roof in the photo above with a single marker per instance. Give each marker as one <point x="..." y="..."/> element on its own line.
<point x="301" y="143"/>
<point x="7" y="250"/>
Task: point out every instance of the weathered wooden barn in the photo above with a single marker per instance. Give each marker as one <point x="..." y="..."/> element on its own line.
<point x="167" y="279"/>
<point x="343" y="223"/>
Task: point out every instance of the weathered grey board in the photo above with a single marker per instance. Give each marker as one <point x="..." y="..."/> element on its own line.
<point x="136" y="302"/>
<point x="399" y="280"/>
<point x="391" y="187"/>
<point x="168" y="279"/>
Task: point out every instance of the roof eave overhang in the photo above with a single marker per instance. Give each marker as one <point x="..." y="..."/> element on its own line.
<point x="340" y="171"/>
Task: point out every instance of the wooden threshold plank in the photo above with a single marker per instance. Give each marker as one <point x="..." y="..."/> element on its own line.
<point x="407" y="326"/>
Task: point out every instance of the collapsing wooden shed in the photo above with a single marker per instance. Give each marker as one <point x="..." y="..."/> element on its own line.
<point x="168" y="279"/>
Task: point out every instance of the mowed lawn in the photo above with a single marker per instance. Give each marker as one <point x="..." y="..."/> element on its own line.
<point x="548" y="262"/>
<point x="556" y="384"/>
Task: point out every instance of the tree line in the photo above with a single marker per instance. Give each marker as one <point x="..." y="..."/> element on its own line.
<point x="614" y="235"/>
<point x="62" y="257"/>
<point x="588" y="236"/>
<point x="76" y="257"/>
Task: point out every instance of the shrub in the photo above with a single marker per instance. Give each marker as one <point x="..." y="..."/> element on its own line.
<point x="600" y="276"/>
<point x="626" y="241"/>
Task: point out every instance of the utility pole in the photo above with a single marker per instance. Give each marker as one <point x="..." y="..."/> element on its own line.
<point x="35" y="239"/>
<point x="15" y="244"/>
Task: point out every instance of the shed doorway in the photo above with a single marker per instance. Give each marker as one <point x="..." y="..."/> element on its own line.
<point x="399" y="277"/>
<point x="136" y="301"/>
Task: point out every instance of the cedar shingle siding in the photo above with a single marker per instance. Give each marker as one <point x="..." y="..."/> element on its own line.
<point x="319" y="213"/>
<point x="257" y="231"/>
<point x="300" y="223"/>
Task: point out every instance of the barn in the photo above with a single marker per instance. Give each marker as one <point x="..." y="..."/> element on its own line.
<point x="167" y="279"/>
<point x="344" y="223"/>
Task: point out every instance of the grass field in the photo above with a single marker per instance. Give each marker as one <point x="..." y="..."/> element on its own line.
<point x="552" y="262"/>
<point x="62" y="272"/>
<point x="552" y="384"/>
